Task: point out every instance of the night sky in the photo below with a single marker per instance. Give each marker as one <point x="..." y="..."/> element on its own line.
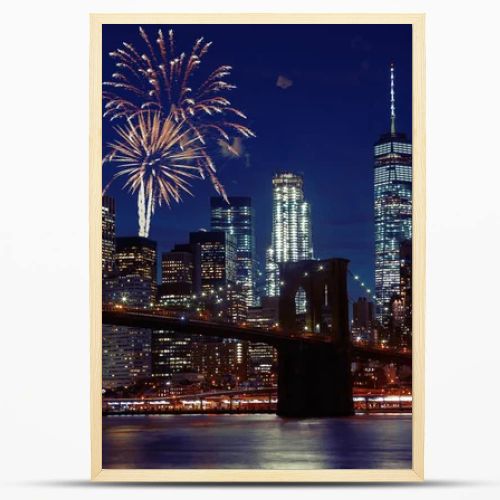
<point x="317" y="98"/>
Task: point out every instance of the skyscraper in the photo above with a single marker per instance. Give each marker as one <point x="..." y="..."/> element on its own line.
<point x="176" y="277"/>
<point x="291" y="233"/>
<point x="214" y="256"/>
<point x="405" y="256"/>
<point x="108" y="235"/>
<point x="393" y="208"/>
<point x="136" y="256"/>
<point x="362" y="313"/>
<point x="401" y="304"/>
<point x="177" y="268"/>
<point x="236" y="218"/>
<point x="135" y="265"/>
<point x="362" y="320"/>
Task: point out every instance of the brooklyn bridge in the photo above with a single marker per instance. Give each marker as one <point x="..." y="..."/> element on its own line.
<point x="314" y="361"/>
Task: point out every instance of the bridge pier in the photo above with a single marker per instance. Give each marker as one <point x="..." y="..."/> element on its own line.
<point x="314" y="380"/>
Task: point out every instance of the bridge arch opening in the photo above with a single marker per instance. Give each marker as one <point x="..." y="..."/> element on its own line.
<point x="300" y="301"/>
<point x="301" y="309"/>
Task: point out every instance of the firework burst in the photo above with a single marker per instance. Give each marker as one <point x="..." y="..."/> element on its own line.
<point x="159" y="159"/>
<point x="161" y="79"/>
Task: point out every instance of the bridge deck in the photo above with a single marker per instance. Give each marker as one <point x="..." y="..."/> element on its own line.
<point x="159" y="320"/>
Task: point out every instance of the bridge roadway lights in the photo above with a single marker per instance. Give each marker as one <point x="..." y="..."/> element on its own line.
<point x="314" y="378"/>
<point x="314" y="381"/>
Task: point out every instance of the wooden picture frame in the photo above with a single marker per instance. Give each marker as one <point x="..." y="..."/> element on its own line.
<point x="416" y="473"/>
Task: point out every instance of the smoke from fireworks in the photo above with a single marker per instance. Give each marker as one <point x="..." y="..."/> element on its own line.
<point x="161" y="80"/>
<point x="158" y="158"/>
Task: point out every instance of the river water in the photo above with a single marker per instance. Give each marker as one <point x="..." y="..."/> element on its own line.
<point x="256" y="442"/>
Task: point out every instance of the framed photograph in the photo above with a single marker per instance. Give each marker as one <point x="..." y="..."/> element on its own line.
<point x="257" y="247"/>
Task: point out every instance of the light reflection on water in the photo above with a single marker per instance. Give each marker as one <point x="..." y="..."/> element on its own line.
<point x="256" y="442"/>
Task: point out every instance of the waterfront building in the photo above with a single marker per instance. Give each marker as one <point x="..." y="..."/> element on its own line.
<point x="176" y="363"/>
<point x="172" y="353"/>
<point x="223" y="362"/>
<point x="393" y="209"/>
<point x="126" y="356"/>
<point x="263" y="364"/>
<point x="263" y="358"/>
<point x="291" y="230"/>
<point x="236" y="217"/>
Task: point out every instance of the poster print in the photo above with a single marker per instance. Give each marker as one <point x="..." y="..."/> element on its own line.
<point x="257" y="258"/>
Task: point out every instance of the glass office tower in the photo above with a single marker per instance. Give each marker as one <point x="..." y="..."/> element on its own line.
<point x="393" y="210"/>
<point x="236" y="218"/>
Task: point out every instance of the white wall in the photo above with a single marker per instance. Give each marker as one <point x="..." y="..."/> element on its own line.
<point x="43" y="245"/>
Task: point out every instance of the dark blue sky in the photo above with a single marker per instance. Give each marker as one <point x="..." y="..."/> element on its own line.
<point x="324" y="126"/>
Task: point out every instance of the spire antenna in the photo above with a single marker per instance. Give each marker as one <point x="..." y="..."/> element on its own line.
<point x="393" y="102"/>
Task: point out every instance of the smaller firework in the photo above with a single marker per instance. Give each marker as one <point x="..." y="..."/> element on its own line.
<point x="159" y="158"/>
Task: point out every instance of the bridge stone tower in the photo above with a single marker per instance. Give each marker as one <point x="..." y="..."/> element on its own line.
<point x="314" y="379"/>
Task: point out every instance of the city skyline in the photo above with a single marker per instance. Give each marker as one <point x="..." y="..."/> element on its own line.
<point x="341" y="154"/>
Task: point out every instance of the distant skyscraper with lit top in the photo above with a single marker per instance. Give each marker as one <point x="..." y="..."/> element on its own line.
<point x="291" y="232"/>
<point x="393" y="209"/>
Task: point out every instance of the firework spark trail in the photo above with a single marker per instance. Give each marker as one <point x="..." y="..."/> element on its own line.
<point x="158" y="158"/>
<point x="141" y="209"/>
<point x="161" y="80"/>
